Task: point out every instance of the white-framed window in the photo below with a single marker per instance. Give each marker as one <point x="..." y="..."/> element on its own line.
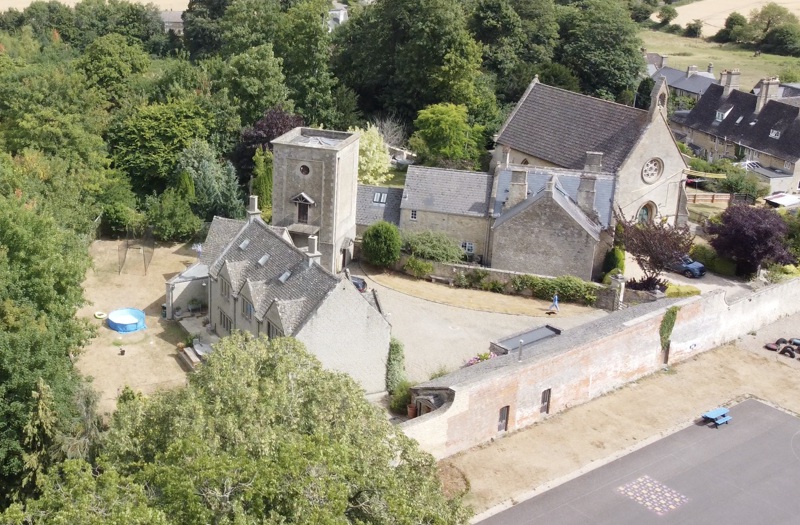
<point x="224" y="288"/>
<point x="247" y="309"/>
<point x="787" y="165"/>
<point x="720" y="116"/>
<point x="225" y="322"/>
<point x="468" y="247"/>
<point x="379" y="198"/>
<point x="774" y="134"/>
<point x="273" y="331"/>
<point x="413" y="215"/>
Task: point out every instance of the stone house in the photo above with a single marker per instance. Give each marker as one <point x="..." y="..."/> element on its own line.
<point x="173" y="21"/>
<point x="455" y="202"/>
<point x="552" y="127"/>
<point x="690" y="83"/>
<point x="762" y="130"/>
<point x="314" y="191"/>
<point x="255" y="279"/>
<point x="563" y="164"/>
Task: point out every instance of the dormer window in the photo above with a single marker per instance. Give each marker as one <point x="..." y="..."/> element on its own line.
<point x="379" y="198"/>
<point x="720" y="116"/>
<point x="774" y="134"/>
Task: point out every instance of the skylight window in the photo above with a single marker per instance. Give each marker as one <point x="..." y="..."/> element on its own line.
<point x="738" y="120"/>
<point x="245" y="244"/>
<point x="379" y="198"/>
<point x="263" y="260"/>
<point x="285" y="277"/>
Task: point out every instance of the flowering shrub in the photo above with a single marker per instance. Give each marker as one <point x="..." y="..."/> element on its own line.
<point x="481" y="357"/>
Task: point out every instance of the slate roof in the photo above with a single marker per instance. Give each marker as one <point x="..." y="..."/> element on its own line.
<point x="785" y="90"/>
<point x="743" y="126"/>
<point x="369" y="212"/>
<point x="296" y="298"/>
<point x="560" y="126"/>
<point x="220" y="233"/>
<point x="456" y="192"/>
<point x="568" y="181"/>
<point x="563" y="200"/>
<point x="697" y="83"/>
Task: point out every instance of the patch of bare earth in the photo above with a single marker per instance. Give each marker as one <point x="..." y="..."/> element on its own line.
<point x="150" y="361"/>
<point x="587" y="436"/>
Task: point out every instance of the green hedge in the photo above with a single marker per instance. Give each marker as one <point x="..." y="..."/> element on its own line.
<point x="418" y="268"/>
<point x="712" y="261"/>
<point x="570" y="289"/>
<point x="395" y="366"/>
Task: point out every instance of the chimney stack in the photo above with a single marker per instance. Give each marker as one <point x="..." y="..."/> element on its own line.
<point x="551" y="184"/>
<point x="729" y="80"/>
<point x="594" y="161"/>
<point x="314" y="257"/>
<point x="586" y="193"/>
<point x="252" y="208"/>
<point x="518" y="189"/>
<point x="691" y="70"/>
<point x="769" y="91"/>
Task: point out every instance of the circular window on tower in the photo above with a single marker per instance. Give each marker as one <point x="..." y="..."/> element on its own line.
<point x="304" y="170"/>
<point x="652" y="170"/>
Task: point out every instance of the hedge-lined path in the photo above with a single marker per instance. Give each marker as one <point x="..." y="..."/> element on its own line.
<point x="466" y="298"/>
<point x="443" y="327"/>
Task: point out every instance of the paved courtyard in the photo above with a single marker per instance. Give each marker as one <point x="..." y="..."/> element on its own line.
<point x="442" y="337"/>
<point x="743" y="472"/>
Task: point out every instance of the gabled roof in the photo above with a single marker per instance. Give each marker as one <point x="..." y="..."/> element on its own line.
<point x="456" y="192"/>
<point x="369" y="212"/>
<point x="561" y="198"/>
<point x="560" y="126"/>
<point x="696" y="83"/>
<point x="785" y="90"/>
<point x="568" y="181"/>
<point x="297" y="298"/>
<point x="744" y="126"/>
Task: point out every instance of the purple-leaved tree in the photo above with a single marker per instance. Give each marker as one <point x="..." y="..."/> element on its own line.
<point x="751" y="237"/>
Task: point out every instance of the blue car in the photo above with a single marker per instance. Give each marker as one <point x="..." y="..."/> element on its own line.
<point x="688" y="267"/>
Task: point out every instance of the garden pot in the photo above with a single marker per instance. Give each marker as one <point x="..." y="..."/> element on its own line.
<point x="412" y="411"/>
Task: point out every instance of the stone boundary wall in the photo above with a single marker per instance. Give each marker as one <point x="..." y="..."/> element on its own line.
<point x="594" y="367"/>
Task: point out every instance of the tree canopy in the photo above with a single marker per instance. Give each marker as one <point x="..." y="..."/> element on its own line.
<point x="751" y="237"/>
<point x="263" y="432"/>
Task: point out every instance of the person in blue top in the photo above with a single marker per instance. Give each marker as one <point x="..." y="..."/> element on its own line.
<point x="554" y="306"/>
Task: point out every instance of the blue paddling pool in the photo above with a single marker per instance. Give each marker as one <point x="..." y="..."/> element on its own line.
<point x="126" y="320"/>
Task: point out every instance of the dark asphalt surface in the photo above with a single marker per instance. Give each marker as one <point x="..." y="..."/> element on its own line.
<point x="746" y="472"/>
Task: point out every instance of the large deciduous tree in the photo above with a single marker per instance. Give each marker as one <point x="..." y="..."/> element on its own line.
<point x="751" y="237"/>
<point x="42" y="267"/>
<point x="203" y="28"/>
<point x="109" y="62"/>
<point x="275" y="122"/>
<point x="402" y="56"/>
<point x="147" y="140"/>
<point x="373" y="156"/>
<point x="254" y="80"/>
<point x="263" y="432"/>
<point x="602" y="45"/>
<point x="655" y="245"/>
<point x="444" y="137"/>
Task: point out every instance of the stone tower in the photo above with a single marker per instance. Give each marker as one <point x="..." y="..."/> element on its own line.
<point x="315" y="180"/>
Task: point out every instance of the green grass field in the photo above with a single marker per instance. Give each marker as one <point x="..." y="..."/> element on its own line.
<point x="684" y="52"/>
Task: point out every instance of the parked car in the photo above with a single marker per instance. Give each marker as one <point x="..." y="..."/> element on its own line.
<point x="359" y="283"/>
<point x="688" y="267"/>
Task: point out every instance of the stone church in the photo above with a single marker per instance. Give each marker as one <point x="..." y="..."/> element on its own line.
<point x="564" y="162"/>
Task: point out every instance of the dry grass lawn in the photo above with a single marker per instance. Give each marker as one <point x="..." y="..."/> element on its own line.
<point x="151" y="360"/>
<point x="684" y="52"/>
